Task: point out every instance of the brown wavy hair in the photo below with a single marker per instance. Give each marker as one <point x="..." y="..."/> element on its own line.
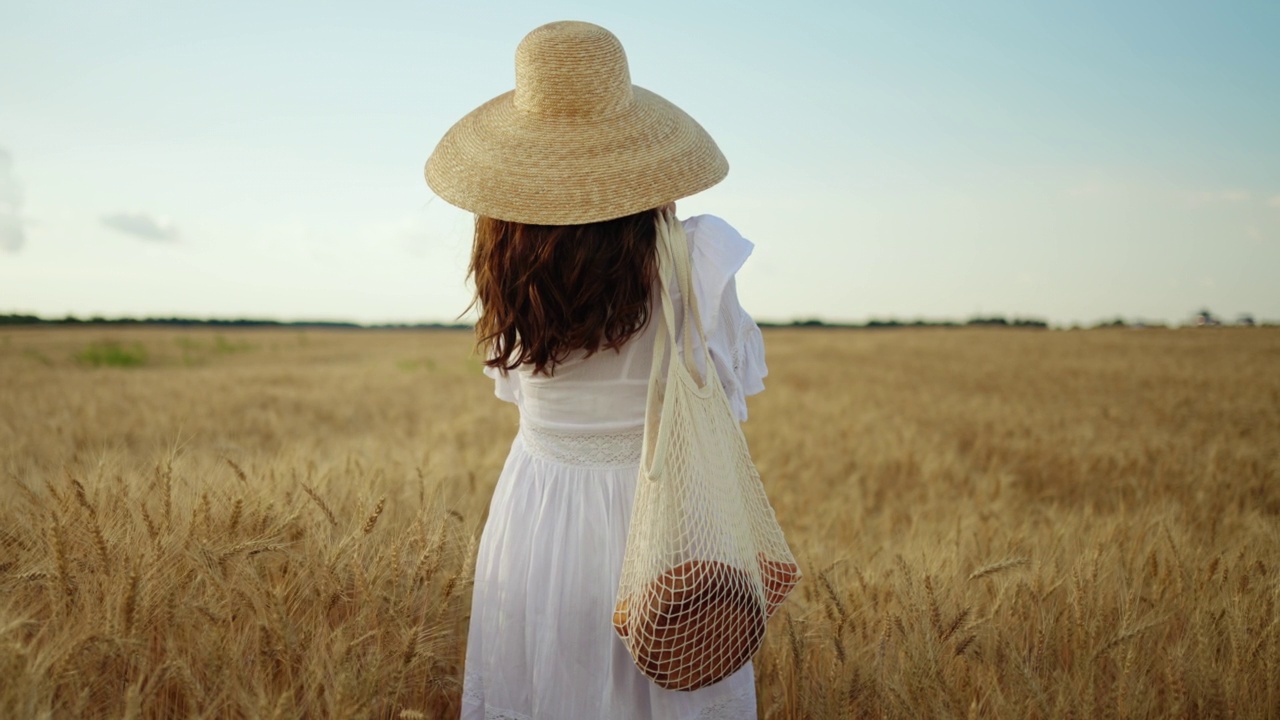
<point x="545" y="291"/>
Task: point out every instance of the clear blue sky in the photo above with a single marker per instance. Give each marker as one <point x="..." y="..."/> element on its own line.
<point x="1072" y="161"/>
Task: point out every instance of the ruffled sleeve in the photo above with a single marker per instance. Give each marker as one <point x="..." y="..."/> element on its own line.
<point x="737" y="348"/>
<point x="505" y="386"/>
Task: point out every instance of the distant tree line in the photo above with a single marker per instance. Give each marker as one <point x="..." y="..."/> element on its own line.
<point x="995" y="321"/>
<point x="16" y="319"/>
<point x="1204" y="318"/>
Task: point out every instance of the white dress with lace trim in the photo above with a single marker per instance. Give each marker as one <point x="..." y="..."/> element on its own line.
<point x="541" y="644"/>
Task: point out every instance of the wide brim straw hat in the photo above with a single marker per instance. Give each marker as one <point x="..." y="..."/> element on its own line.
<point x="575" y="142"/>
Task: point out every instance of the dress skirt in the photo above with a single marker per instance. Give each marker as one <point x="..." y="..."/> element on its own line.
<point x="541" y="642"/>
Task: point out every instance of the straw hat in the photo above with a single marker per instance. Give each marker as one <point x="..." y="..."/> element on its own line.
<point x="575" y="142"/>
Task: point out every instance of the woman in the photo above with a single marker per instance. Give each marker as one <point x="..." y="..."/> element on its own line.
<point x="567" y="175"/>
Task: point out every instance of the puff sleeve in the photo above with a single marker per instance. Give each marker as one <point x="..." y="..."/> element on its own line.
<point x="737" y="348"/>
<point x="505" y="386"/>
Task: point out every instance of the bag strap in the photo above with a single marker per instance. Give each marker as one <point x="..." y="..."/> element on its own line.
<point x="673" y="256"/>
<point x="672" y="248"/>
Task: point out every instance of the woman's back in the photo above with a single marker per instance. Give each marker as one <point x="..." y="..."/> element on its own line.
<point x="606" y="390"/>
<point x="603" y="391"/>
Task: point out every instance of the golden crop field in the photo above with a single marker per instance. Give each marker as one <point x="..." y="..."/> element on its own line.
<point x="994" y="523"/>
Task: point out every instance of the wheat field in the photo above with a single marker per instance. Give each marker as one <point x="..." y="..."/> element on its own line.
<point x="280" y="523"/>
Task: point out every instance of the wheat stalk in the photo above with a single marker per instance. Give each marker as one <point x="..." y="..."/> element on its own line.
<point x="373" y="517"/>
<point x="239" y="472"/>
<point x="321" y="503"/>
<point x="997" y="567"/>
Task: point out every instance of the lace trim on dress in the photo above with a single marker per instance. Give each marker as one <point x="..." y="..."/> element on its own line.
<point x="620" y="448"/>
<point x="473" y="696"/>
<point x="741" y="704"/>
<point x="472" y="689"/>
<point x="505" y="715"/>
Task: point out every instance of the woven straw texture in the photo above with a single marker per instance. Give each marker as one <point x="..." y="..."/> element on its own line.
<point x="574" y="142"/>
<point x="706" y="564"/>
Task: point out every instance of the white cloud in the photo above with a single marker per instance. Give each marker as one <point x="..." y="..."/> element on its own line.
<point x="1218" y="197"/>
<point x="1113" y="188"/>
<point x="1107" y="189"/>
<point x="12" y="232"/>
<point x="409" y="234"/>
<point x="142" y="225"/>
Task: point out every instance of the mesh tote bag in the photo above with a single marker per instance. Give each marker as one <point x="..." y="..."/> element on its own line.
<point x="706" y="564"/>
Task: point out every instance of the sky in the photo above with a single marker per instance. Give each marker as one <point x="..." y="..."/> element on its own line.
<point x="1068" y="161"/>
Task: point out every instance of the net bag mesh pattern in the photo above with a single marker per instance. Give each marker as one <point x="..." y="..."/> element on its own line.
<point x="706" y="564"/>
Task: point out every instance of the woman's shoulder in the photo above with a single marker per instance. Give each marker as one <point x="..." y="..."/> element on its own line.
<point x="717" y="252"/>
<point x="717" y="248"/>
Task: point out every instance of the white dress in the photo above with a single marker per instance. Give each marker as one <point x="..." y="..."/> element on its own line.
<point x="541" y="643"/>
